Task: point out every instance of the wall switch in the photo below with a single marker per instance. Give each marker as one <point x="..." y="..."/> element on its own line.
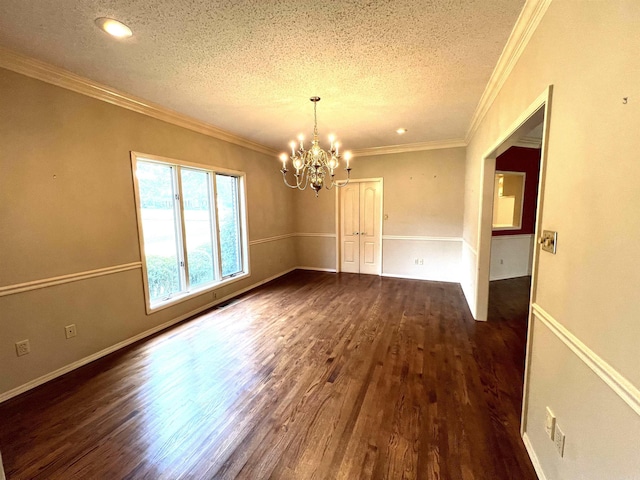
<point x="550" y="423"/>
<point x="23" y="347"/>
<point x="70" y="330"/>
<point x="559" y="440"/>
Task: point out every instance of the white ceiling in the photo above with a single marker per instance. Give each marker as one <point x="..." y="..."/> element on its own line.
<point x="250" y="66"/>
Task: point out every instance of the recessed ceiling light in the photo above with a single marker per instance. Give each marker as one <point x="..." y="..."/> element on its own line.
<point x="401" y="131"/>
<point x="114" y="27"/>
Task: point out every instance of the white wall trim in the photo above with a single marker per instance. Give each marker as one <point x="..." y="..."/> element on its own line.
<point x="291" y="235"/>
<point x="619" y="384"/>
<point x="421" y="238"/>
<point x="415" y="277"/>
<point x="322" y="235"/>
<point x="83" y="361"/>
<point x="316" y="269"/>
<point x="534" y="458"/>
<point x="529" y="142"/>
<point x="271" y="239"/>
<point x="410" y="147"/>
<point x="72" y="277"/>
<point x="470" y="247"/>
<point x="512" y="237"/>
<point x="523" y="30"/>
<point x="63" y="78"/>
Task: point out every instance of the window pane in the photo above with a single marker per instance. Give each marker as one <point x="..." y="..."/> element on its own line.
<point x="161" y="243"/>
<point x="196" y="194"/>
<point x="229" y="224"/>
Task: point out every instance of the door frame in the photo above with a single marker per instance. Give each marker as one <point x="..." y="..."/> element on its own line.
<point x="359" y="180"/>
<point x="509" y="136"/>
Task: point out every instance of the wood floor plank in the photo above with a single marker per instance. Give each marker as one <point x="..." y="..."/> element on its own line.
<point x="312" y="376"/>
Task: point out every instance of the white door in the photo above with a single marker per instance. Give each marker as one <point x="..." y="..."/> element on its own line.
<point x="360" y="224"/>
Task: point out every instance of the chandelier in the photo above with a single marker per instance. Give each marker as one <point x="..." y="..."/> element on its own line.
<point x="313" y="165"/>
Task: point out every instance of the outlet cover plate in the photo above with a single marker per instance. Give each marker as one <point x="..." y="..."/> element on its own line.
<point x="23" y="347"/>
<point x="70" y="330"/>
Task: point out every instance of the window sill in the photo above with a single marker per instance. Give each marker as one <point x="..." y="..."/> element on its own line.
<point x="183" y="297"/>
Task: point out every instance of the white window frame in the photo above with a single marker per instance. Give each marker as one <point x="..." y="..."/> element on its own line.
<point x="244" y="235"/>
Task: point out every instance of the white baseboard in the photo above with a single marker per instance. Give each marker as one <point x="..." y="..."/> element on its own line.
<point x="533" y="457"/>
<point x="316" y="269"/>
<point x="83" y="361"/>
<point x="411" y="277"/>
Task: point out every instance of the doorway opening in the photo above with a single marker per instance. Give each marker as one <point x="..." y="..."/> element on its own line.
<point x="359" y="227"/>
<point x="515" y="197"/>
<point x="532" y="125"/>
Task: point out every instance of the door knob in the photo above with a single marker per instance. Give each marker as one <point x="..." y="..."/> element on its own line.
<point x="355" y="233"/>
<point x="363" y="233"/>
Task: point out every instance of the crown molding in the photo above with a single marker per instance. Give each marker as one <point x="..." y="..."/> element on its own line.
<point x="409" y="147"/>
<point x="529" y="142"/>
<point x="523" y="30"/>
<point x="63" y="78"/>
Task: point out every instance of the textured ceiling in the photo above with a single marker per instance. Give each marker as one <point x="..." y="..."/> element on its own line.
<point x="249" y="67"/>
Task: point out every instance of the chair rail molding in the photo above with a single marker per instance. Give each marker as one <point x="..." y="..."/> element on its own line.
<point x="72" y="277"/>
<point x="614" y="379"/>
<point x="421" y="238"/>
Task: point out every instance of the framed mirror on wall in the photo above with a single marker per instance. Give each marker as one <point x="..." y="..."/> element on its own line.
<point x="508" y="200"/>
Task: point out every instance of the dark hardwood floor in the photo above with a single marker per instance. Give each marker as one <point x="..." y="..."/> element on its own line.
<point x="313" y="376"/>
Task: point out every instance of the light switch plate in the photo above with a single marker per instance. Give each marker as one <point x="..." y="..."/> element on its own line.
<point x="550" y="423"/>
<point x="559" y="440"/>
<point x="548" y="241"/>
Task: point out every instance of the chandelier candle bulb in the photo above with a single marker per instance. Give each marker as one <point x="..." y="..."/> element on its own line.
<point x="347" y="157"/>
<point x="313" y="165"/>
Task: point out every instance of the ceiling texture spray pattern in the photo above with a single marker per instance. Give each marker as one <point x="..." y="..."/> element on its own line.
<point x="249" y="67"/>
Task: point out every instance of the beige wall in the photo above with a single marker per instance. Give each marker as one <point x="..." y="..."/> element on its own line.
<point x="67" y="206"/>
<point x="423" y="198"/>
<point x="588" y="51"/>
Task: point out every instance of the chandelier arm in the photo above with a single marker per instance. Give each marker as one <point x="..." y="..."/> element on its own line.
<point x="304" y="180"/>
<point x="340" y="185"/>
<point x="284" y="177"/>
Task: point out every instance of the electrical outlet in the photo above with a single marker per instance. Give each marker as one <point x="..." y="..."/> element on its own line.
<point x="550" y="423"/>
<point x="421" y="262"/>
<point x="70" y="330"/>
<point x="501" y="262"/>
<point x="559" y="440"/>
<point x="416" y="261"/>
<point x="23" y="347"/>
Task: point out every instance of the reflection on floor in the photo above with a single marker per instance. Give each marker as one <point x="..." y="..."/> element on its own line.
<point x="314" y="375"/>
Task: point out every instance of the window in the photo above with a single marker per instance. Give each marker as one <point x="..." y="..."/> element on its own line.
<point x="192" y="227"/>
